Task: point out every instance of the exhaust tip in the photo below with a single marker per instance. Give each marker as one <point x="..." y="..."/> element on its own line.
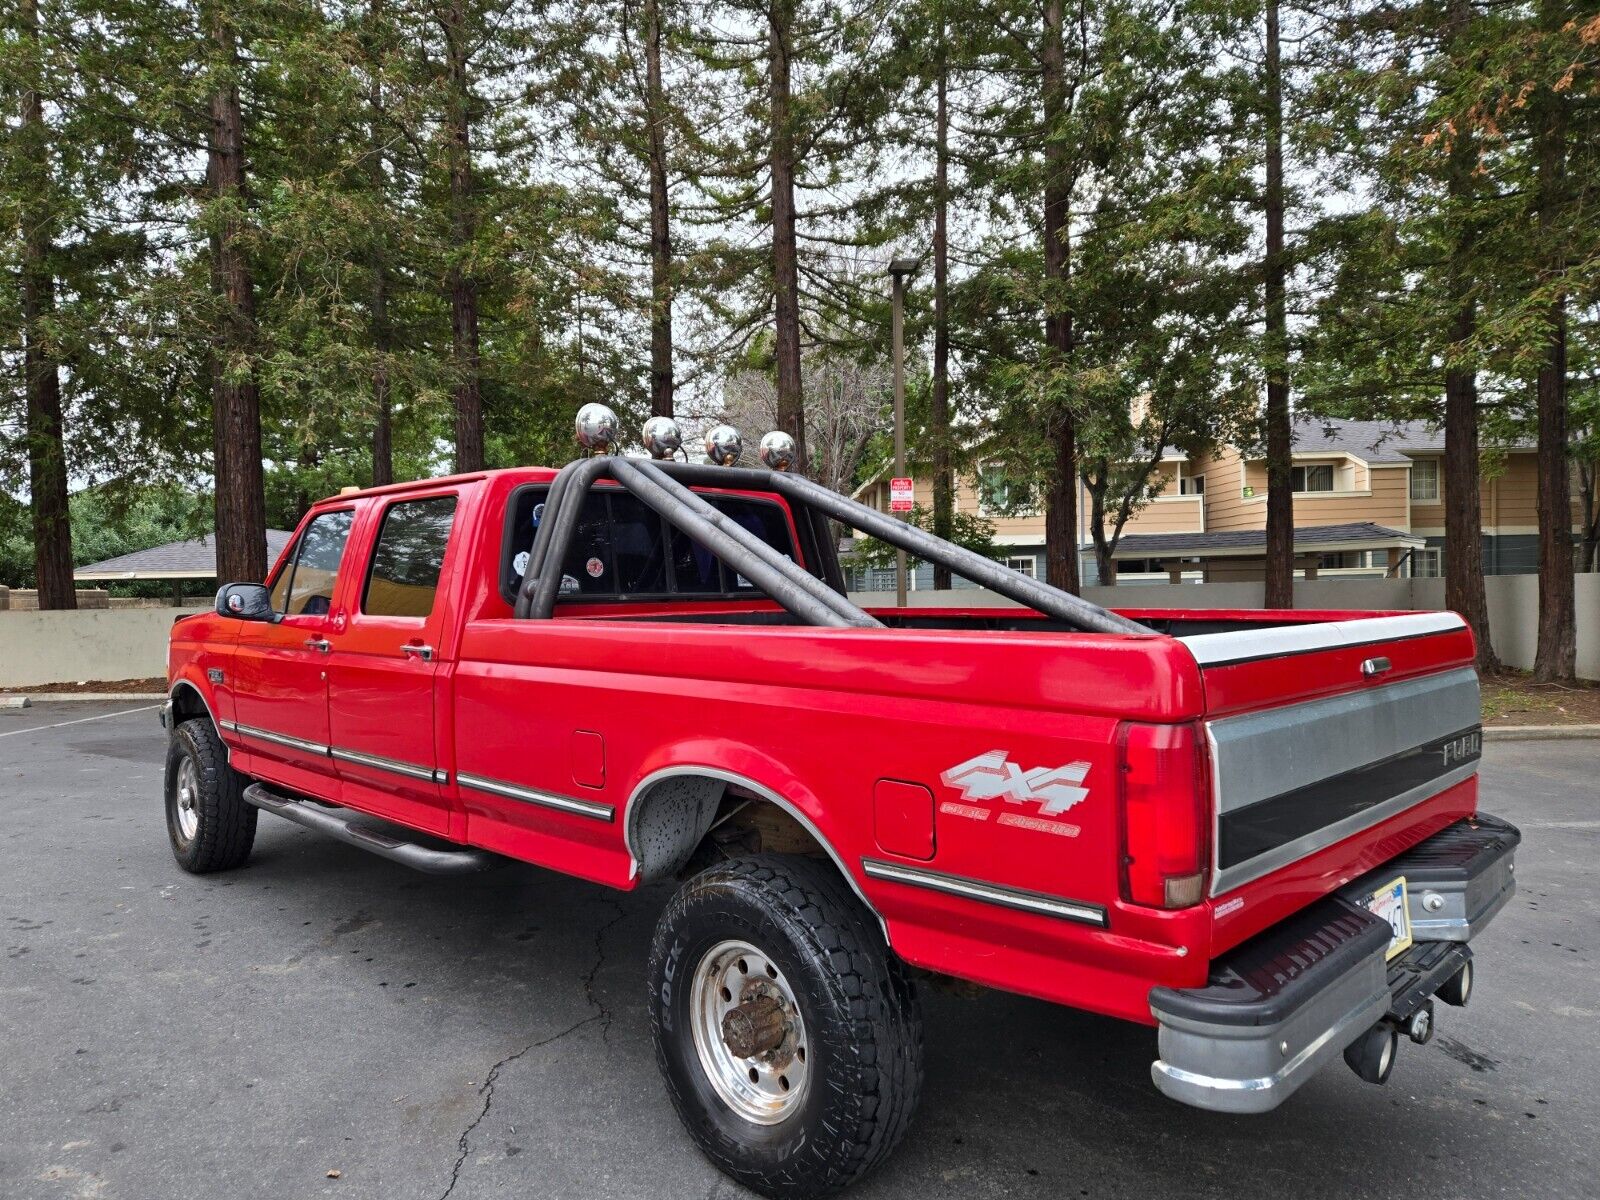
<point x="1457" y="990"/>
<point x="1372" y="1055"/>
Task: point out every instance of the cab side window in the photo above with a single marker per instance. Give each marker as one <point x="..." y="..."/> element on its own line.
<point x="304" y="587"/>
<point x="408" y="558"/>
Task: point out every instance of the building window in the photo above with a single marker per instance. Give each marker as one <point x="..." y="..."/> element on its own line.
<point x="1191" y="485"/>
<point x="1425" y="479"/>
<point x="1027" y="564"/>
<point x="994" y="490"/>
<point x="1427" y="563"/>
<point x="1350" y="560"/>
<point x="1313" y="479"/>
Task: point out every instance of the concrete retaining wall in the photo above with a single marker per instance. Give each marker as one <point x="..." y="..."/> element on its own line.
<point x="69" y="647"/>
<point x="65" y="647"/>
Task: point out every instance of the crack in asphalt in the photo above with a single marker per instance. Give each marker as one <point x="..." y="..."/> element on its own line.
<point x="602" y="1014"/>
<point x="601" y="1011"/>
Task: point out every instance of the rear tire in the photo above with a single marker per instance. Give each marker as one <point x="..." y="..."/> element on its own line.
<point x="210" y="825"/>
<point x="834" y="1097"/>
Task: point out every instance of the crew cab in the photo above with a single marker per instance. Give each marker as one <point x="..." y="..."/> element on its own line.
<point x="1257" y="832"/>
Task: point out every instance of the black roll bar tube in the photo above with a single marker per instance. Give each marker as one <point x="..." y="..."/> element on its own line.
<point x="1041" y="596"/>
<point x="1052" y="602"/>
<point x="791" y="571"/>
<point x="539" y="587"/>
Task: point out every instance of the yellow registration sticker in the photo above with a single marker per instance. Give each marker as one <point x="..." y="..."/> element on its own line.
<point x="1389" y="903"/>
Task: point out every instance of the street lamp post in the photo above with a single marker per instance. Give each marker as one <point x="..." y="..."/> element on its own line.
<point x="898" y="270"/>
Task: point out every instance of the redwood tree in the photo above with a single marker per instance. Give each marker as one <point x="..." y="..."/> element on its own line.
<point x="1279" y="440"/>
<point x="785" y="251"/>
<point x="47" y="458"/>
<point x="1556" y="654"/>
<point x="462" y="283"/>
<point x="240" y="501"/>
<point x="1061" y="496"/>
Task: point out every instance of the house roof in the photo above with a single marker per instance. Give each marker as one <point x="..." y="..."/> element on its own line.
<point x="1251" y="543"/>
<point x="196" y="559"/>
<point x="1372" y="441"/>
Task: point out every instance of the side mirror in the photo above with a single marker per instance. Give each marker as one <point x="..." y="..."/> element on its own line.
<point x="246" y="602"/>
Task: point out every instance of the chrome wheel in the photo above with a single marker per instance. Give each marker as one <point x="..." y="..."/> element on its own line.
<point x="749" y="1033"/>
<point x="188" y="784"/>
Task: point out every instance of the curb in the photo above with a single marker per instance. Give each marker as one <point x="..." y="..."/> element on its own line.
<point x="27" y="698"/>
<point x="1532" y="733"/>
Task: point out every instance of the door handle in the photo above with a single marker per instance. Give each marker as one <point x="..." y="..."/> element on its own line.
<point x="418" y="650"/>
<point x="321" y="645"/>
<point x="1374" y="667"/>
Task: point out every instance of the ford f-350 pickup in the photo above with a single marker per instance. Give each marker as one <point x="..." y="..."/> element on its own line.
<point x="1256" y="831"/>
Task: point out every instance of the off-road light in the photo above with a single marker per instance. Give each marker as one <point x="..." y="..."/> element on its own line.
<point x="661" y="437"/>
<point x="778" y="451"/>
<point x="596" y="428"/>
<point x="724" y="445"/>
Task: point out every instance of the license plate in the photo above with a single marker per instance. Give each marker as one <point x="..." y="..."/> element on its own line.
<point x="1389" y="903"/>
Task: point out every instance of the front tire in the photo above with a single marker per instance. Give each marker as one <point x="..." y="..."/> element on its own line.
<point x="774" y="954"/>
<point x="209" y="823"/>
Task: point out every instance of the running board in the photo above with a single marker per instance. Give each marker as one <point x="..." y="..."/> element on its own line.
<point x="347" y="829"/>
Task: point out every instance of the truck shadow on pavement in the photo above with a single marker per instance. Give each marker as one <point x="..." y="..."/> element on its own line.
<point x="542" y="977"/>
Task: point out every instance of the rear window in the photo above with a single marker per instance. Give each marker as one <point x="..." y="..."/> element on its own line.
<point x="622" y="549"/>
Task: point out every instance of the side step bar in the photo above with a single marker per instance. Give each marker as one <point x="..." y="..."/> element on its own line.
<point x="349" y="829"/>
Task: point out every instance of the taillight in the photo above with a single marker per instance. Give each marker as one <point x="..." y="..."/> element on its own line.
<point x="1165" y="830"/>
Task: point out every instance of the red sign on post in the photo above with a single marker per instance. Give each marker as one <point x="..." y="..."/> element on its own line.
<point x="900" y="495"/>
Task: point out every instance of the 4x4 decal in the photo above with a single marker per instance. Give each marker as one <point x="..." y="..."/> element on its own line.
<point x="993" y="774"/>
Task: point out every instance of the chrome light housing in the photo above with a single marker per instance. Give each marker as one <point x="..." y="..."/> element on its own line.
<point x="661" y="437"/>
<point x="724" y="445"/>
<point x="778" y="451"/>
<point x="596" y="428"/>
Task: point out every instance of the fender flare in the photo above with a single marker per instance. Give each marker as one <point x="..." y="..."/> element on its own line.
<point x="682" y="769"/>
<point x="183" y="684"/>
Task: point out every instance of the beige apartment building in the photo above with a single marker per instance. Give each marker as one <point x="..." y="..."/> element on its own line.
<point x="1369" y="500"/>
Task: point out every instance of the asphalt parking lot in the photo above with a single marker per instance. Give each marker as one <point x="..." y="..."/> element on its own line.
<point x="323" y="1010"/>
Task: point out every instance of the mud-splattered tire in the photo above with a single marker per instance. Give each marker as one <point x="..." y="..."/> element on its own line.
<point x="833" y="1099"/>
<point x="208" y="821"/>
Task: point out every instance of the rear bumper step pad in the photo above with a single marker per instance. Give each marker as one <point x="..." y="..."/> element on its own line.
<point x="356" y="829"/>
<point x="1282" y="1005"/>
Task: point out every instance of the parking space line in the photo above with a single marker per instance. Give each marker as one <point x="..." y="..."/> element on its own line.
<point x="100" y="717"/>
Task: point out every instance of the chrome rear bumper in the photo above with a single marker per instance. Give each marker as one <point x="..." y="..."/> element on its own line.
<point x="1279" y="1007"/>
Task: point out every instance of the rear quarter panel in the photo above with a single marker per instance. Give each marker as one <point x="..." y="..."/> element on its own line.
<point x="818" y="717"/>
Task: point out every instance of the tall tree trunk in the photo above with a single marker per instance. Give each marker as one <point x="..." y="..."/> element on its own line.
<point x="785" y="253"/>
<point x="1588" y="485"/>
<point x="463" y="232"/>
<point x="1061" y="500"/>
<point x="939" y="407"/>
<point x="1280" y="479"/>
<point x="1556" y="655"/>
<point x="1105" y="566"/>
<point x="1463" y="514"/>
<point x="661" y="399"/>
<point x="47" y="457"/>
<point x="241" y="507"/>
<point x="382" y="436"/>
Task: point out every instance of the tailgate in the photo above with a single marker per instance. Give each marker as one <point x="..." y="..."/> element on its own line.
<point x="1293" y="777"/>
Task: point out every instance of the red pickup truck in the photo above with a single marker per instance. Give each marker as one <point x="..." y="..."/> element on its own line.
<point x="1256" y="831"/>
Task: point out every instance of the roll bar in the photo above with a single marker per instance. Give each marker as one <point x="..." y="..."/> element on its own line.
<point x="780" y="578"/>
<point x="664" y="487"/>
